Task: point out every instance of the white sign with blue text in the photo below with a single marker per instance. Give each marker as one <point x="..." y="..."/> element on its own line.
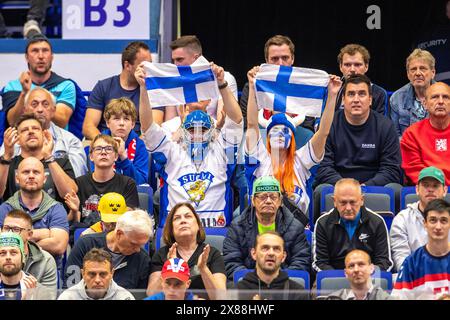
<point x="101" y="19"/>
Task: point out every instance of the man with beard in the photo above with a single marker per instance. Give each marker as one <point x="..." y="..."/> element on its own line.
<point x="50" y="226"/>
<point x="41" y="102"/>
<point x="407" y="231"/>
<point x="34" y="142"/>
<point x="265" y="214"/>
<point x="39" y="57"/>
<point x="408" y="103"/>
<point x="14" y="283"/>
<point x="97" y="282"/>
<point x="269" y="254"/>
<point x="358" y="268"/>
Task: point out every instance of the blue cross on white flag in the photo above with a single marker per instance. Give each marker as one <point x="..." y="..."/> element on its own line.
<point x="168" y="84"/>
<point x="291" y="89"/>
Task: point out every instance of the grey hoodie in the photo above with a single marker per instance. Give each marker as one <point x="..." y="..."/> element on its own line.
<point x="78" y="292"/>
<point x="42" y="266"/>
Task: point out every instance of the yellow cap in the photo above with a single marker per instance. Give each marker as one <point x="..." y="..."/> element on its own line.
<point x="111" y="206"/>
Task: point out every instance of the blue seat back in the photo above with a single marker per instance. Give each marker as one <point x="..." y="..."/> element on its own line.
<point x="376" y="198"/>
<point x="145" y="193"/>
<point x="333" y="280"/>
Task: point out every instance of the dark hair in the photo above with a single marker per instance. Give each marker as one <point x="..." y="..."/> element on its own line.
<point x="191" y="42"/>
<point x="98" y="255"/>
<point x="268" y="232"/>
<point x="279" y="40"/>
<point x="28" y="116"/>
<point x="357" y="79"/>
<point x="19" y="214"/>
<point x="129" y="53"/>
<point x="169" y="237"/>
<point x="38" y="38"/>
<point x="439" y="205"/>
<point x="351" y="50"/>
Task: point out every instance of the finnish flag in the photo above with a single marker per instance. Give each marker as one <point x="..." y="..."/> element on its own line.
<point x="168" y="84"/>
<point x="291" y="89"/>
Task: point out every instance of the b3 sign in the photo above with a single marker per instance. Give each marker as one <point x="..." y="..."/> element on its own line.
<point x="101" y="19"/>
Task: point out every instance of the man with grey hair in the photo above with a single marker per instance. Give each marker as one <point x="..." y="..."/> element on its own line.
<point x="408" y="102"/>
<point x="130" y="262"/>
<point x="42" y="103"/>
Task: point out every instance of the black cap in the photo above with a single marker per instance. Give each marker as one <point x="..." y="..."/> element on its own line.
<point x="37" y="37"/>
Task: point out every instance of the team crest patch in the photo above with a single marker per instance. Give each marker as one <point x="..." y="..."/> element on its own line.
<point x="441" y="144"/>
<point x="196" y="185"/>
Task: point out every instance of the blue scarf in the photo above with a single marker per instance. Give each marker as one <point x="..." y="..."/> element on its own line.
<point x="350" y="225"/>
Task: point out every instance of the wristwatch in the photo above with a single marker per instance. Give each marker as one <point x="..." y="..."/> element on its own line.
<point x="4" y="161"/>
<point x="49" y="160"/>
<point x="223" y="85"/>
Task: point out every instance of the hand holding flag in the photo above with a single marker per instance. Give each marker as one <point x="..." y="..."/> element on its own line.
<point x="168" y="84"/>
<point x="291" y="89"/>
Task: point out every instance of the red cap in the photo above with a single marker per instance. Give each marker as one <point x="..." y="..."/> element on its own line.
<point x="176" y="268"/>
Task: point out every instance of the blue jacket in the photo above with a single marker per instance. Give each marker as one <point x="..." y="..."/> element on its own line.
<point x="136" y="169"/>
<point x="403" y="112"/>
<point x="242" y="234"/>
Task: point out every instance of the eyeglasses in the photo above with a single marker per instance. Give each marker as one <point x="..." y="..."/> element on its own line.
<point x="100" y="149"/>
<point x="264" y="196"/>
<point x="17" y="230"/>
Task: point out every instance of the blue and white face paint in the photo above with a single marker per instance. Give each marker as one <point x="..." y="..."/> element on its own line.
<point x="280" y="137"/>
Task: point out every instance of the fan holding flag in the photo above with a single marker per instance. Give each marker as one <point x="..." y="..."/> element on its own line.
<point x="287" y="89"/>
<point x="198" y="167"/>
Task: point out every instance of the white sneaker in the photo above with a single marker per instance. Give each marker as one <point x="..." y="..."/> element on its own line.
<point x="31" y="28"/>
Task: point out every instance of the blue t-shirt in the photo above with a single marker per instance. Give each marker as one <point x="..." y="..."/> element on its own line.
<point x="108" y="89"/>
<point x="64" y="92"/>
<point x="56" y="216"/>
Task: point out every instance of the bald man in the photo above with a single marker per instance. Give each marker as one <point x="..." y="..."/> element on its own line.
<point x="358" y="270"/>
<point x="50" y="226"/>
<point x="41" y="102"/>
<point x="350" y="225"/>
<point x="427" y="143"/>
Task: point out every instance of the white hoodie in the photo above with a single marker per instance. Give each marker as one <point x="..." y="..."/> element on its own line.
<point x="78" y="292"/>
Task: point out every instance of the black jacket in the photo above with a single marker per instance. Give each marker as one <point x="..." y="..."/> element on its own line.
<point x="331" y="242"/>
<point x="241" y="237"/>
<point x="283" y="287"/>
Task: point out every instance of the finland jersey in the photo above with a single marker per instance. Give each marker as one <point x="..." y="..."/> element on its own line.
<point x="207" y="187"/>
<point x="258" y="163"/>
<point x="423" y="276"/>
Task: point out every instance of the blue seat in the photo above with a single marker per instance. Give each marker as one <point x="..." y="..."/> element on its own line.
<point x="299" y="276"/>
<point x="77" y="234"/>
<point x="145" y="193"/>
<point x="333" y="280"/>
<point x="308" y="235"/>
<point x="214" y="237"/>
<point x="376" y="198"/>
